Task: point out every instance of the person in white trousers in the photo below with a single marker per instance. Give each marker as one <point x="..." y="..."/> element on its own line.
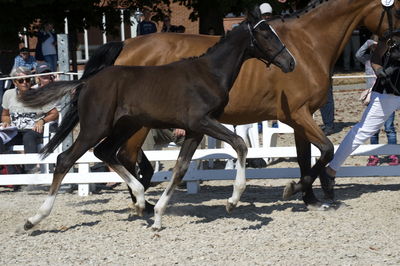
<point x="385" y="99"/>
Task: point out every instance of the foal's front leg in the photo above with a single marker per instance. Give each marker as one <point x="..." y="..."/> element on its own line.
<point x="216" y="130"/>
<point x="189" y="146"/>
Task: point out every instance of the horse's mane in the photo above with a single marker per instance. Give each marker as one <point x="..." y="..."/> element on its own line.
<point x="297" y="13"/>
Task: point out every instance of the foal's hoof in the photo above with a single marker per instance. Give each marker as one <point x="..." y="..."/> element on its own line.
<point x="289" y="190"/>
<point x="327" y="184"/>
<point x="156" y="227"/>
<point x="139" y="210"/>
<point x="230" y="206"/>
<point x="28" y="225"/>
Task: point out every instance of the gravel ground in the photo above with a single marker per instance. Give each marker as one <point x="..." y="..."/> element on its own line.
<point x="263" y="230"/>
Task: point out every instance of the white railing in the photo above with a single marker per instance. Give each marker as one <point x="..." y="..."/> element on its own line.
<point x="194" y="174"/>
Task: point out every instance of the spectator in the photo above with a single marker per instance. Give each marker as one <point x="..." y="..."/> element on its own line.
<point x="266" y="10"/>
<point x="211" y="31"/>
<point x="385" y="99"/>
<point x="181" y="29"/>
<point x="349" y="52"/>
<point x="364" y="56"/>
<point x="167" y="27"/>
<point x="28" y="121"/>
<point x="146" y="26"/>
<point x="157" y="138"/>
<point x="46" y="48"/>
<point x="24" y="59"/>
<point x="43" y="80"/>
<point x="328" y="114"/>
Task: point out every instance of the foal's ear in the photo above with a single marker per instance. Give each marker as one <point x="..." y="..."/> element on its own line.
<point x="253" y="15"/>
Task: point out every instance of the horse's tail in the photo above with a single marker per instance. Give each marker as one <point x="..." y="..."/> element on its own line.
<point x="103" y="57"/>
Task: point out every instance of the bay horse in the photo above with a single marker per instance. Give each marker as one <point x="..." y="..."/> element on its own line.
<point x="315" y="35"/>
<point x="190" y="94"/>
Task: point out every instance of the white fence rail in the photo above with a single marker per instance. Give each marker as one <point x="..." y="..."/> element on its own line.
<point x="194" y="175"/>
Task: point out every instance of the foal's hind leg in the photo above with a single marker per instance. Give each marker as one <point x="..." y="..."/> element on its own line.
<point x="130" y="154"/>
<point x="64" y="162"/>
<point x="216" y="130"/>
<point x="107" y="152"/>
<point x="189" y="146"/>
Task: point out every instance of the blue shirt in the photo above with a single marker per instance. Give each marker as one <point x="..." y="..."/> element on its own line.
<point x="30" y="63"/>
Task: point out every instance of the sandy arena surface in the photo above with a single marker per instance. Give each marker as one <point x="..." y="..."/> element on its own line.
<point x="102" y="229"/>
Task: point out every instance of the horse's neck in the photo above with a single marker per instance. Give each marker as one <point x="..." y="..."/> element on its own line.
<point x="226" y="60"/>
<point x="328" y="27"/>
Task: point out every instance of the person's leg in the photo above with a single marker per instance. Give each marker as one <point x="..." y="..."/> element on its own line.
<point x="381" y="106"/>
<point x="328" y="113"/>
<point x="31" y="139"/>
<point x="347" y="56"/>
<point x="390" y="130"/>
<point x="52" y="61"/>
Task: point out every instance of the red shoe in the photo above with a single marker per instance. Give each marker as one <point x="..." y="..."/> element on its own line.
<point x="373" y="160"/>
<point x="393" y="160"/>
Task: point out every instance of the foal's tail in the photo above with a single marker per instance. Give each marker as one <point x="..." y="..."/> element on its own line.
<point x="103" y="57"/>
<point x="52" y="93"/>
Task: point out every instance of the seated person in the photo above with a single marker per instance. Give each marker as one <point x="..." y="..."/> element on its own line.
<point x="157" y="138"/>
<point x="25" y="59"/>
<point x="28" y="121"/>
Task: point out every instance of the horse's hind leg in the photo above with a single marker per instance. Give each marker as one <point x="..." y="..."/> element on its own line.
<point x="189" y="146"/>
<point x="303" y="148"/>
<point x="64" y="162"/>
<point x="216" y="130"/>
<point x="130" y="154"/>
<point x="307" y="131"/>
<point x="108" y="149"/>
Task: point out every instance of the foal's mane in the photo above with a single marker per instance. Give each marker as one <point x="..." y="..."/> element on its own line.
<point x="221" y="41"/>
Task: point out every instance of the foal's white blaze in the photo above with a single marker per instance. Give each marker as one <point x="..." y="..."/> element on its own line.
<point x="44" y="210"/>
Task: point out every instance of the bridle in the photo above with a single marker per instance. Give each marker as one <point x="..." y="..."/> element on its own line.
<point x="387" y="7"/>
<point x="253" y="43"/>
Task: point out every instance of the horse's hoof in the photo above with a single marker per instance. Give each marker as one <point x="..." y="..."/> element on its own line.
<point x="139" y="210"/>
<point x="156" y="228"/>
<point x="289" y="190"/>
<point x="28" y="225"/>
<point x="327" y="184"/>
<point x="230" y="206"/>
<point x="149" y="208"/>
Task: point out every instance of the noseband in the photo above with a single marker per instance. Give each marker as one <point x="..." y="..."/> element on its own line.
<point x="253" y="43"/>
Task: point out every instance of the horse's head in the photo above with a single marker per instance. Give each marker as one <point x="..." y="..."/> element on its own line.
<point x="266" y="44"/>
<point x="376" y="20"/>
<point x="393" y="44"/>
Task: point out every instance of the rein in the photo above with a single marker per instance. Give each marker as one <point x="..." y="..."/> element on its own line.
<point x="253" y="43"/>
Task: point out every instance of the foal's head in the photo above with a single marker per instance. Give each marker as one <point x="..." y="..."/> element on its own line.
<point x="266" y="44"/>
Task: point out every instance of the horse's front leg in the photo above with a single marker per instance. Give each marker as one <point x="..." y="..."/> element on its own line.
<point x="218" y="131"/>
<point x="307" y="131"/>
<point x="189" y="146"/>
